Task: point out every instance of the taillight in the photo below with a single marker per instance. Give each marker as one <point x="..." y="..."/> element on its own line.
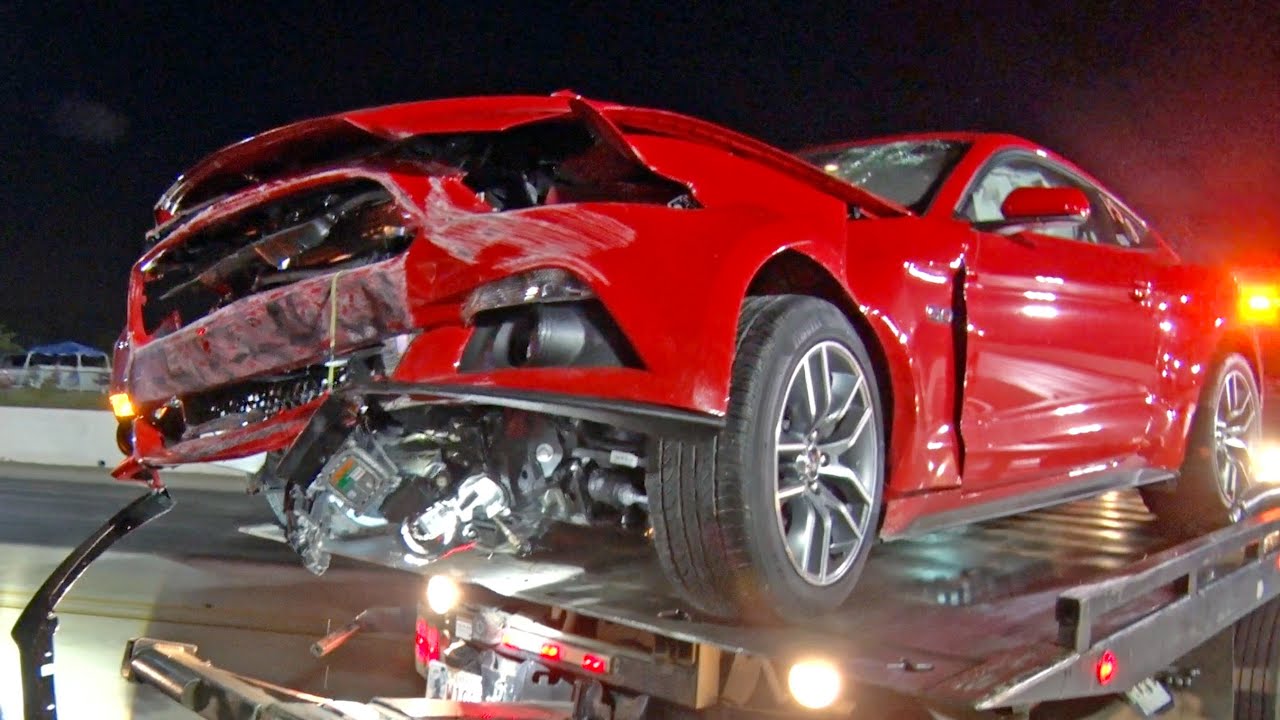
<point x="426" y="642"/>
<point x="814" y="683"/>
<point x="443" y="594"/>
<point x="550" y="651"/>
<point x="592" y="663"/>
<point x="554" y="650"/>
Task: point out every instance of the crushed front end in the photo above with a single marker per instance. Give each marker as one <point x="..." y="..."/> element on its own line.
<point x="405" y="329"/>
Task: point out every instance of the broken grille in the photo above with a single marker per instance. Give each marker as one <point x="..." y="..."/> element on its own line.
<point x="250" y="402"/>
<point x="312" y="233"/>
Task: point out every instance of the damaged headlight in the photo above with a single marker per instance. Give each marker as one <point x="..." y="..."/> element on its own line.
<point x="539" y="319"/>
<point x="545" y="285"/>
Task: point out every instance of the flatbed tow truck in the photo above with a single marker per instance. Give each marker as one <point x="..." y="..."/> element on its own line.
<point x="1081" y="610"/>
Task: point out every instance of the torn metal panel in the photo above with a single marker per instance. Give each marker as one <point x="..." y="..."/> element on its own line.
<point x="531" y="235"/>
<point x="238" y="442"/>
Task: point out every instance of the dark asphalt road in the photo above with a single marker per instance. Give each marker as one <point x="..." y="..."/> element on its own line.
<point x="191" y="577"/>
<point x="61" y="513"/>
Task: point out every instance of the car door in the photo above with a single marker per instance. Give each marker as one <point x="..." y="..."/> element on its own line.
<point x="1061" y="350"/>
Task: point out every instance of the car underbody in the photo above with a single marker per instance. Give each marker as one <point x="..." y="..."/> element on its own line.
<point x="445" y="478"/>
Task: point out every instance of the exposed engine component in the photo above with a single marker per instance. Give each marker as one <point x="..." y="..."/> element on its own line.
<point x="613" y="489"/>
<point x="359" y="479"/>
<point x="477" y="498"/>
<point x="508" y="499"/>
<point x="497" y="485"/>
<point x="344" y="500"/>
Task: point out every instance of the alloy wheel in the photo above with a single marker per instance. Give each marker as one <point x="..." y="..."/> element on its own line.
<point x="1235" y="429"/>
<point x="826" y="463"/>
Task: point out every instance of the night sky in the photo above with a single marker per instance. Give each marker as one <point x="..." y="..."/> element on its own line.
<point x="1176" y="106"/>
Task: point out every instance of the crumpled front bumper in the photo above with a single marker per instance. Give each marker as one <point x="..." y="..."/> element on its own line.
<point x="416" y="297"/>
<point x="275" y="331"/>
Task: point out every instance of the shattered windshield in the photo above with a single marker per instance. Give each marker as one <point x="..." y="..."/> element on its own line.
<point x="908" y="172"/>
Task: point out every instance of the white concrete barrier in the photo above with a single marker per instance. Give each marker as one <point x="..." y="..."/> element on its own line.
<point x="81" y="438"/>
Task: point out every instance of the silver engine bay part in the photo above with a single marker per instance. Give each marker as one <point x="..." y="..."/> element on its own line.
<point x="443" y="479"/>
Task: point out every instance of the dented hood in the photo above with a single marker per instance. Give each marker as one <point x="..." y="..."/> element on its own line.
<point x="332" y="138"/>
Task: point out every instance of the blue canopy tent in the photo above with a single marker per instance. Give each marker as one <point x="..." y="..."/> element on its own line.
<point x="66" y="347"/>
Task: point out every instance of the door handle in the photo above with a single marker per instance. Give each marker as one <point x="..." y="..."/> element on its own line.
<point x="1140" y="291"/>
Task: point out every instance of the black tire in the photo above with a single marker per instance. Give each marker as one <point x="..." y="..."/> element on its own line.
<point x="1196" y="503"/>
<point x="716" y="530"/>
<point x="1257" y="664"/>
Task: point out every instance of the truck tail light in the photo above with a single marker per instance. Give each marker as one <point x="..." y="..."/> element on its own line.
<point x="550" y="651"/>
<point x="427" y="642"/>
<point x="555" y="649"/>
<point x="814" y="683"/>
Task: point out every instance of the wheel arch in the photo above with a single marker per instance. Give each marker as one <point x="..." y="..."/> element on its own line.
<point x="1188" y="383"/>
<point x="791" y="271"/>
<point x="1244" y="341"/>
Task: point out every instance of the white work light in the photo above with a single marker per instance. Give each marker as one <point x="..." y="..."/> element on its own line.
<point x="1265" y="459"/>
<point x="814" y="684"/>
<point x="443" y="594"/>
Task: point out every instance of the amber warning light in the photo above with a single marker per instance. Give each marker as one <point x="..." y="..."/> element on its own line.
<point x="121" y="405"/>
<point x="1259" y="304"/>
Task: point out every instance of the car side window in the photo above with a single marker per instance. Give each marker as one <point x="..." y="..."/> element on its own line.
<point x="1130" y="232"/>
<point x="989" y="193"/>
<point x="1109" y="222"/>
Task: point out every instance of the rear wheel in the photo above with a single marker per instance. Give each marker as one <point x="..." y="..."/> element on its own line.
<point x="775" y="516"/>
<point x="1217" y="468"/>
<point x="1257" y="664"/>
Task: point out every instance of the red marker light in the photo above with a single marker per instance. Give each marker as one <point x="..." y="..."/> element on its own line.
<point x="1106" y="668"/>
<point x="550" y="651"/>
<point x="594" y="664"/>
<point x="427" y="642"/>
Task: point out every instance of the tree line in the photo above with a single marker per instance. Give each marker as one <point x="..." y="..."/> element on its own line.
<point x="8" y="341"/>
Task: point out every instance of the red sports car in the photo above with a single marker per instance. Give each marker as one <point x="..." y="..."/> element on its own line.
<point x="458" y="322"/>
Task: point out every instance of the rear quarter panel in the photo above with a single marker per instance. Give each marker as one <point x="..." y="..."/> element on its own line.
<point x="1195" y="309"/>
